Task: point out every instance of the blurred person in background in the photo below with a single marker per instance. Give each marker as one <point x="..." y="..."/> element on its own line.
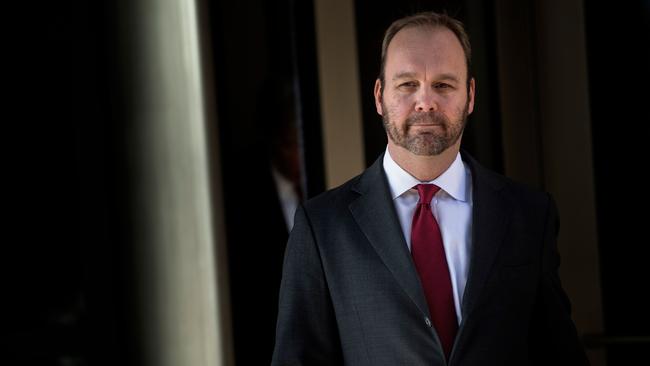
<point x="266" y="176"/>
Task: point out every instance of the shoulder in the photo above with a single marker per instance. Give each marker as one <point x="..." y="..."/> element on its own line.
<point x="339" y="198"/>
<point x="520" y="195"/>
<point x="332" y="200"/>
<point x="526" y="195"/>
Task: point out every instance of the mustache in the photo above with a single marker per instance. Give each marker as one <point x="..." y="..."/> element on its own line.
<point x="426" y="118"/>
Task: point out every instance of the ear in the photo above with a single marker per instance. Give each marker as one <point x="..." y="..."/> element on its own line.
<point x="470" y="95"/>
<point x="378" y="97"/>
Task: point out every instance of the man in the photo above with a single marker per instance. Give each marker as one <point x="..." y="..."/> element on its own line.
<point x="426" y="258"/>
<point x="277" y="194"/>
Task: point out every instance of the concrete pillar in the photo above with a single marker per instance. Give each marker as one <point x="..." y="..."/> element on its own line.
<point x="177" y="232"/>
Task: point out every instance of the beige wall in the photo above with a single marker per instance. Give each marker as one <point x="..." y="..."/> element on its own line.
<point x="339" y="90"/>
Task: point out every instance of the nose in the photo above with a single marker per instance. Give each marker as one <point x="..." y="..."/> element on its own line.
<point x="426" y="101"/>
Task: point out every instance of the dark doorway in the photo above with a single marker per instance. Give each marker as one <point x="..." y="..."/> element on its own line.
<point x="271" y="153"/>
<point x="618" y="59"/>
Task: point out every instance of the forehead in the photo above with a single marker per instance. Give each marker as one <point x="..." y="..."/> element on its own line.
<point x="425" y="50"/>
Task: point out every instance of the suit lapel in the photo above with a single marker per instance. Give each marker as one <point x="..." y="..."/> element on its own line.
<point x="375" y="214"/>
<point x="490" y="219"/>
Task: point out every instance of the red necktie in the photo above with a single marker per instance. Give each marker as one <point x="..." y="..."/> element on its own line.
<point x="430" y="261"/>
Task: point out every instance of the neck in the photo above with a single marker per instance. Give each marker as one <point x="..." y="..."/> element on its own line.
<point x="423" y="168"/>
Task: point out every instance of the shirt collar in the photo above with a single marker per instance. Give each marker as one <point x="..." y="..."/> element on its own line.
<point x="453" y="180"/>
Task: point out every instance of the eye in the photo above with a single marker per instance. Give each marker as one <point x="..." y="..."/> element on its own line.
<point x="443" y="86"/>
<point x="408" y="85"/>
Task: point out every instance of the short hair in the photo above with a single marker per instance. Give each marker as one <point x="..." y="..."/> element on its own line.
<point x="426" y="19"/>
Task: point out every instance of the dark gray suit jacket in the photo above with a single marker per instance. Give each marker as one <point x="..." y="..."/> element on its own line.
<point x="350" y="294"/>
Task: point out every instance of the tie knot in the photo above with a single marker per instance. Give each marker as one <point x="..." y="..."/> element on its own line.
<point x="427" y="191"/>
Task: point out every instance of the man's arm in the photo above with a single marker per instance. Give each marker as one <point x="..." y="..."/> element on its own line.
<point x="554" y="339"/>
<point x="306" y="332"/>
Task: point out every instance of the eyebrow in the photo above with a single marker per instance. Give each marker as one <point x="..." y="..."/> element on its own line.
<point x="404" y="75"/>
<point x="408" y="75"/>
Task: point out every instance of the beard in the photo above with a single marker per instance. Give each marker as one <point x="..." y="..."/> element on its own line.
<point x="430" y="142"/>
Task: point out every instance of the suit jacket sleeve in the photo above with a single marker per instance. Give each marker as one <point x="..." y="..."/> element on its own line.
<point x="555" y="339"/>
<point x="306" y="332"/>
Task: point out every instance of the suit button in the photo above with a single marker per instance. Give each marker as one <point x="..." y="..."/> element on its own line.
<point x="427" y="322"/>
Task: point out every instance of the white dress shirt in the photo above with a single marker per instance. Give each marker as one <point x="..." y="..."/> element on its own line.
<point x="287" y="195"/>
<point x="452" y="208"/>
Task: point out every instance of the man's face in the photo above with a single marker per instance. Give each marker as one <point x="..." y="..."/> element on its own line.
<point x="425" y="100"/>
